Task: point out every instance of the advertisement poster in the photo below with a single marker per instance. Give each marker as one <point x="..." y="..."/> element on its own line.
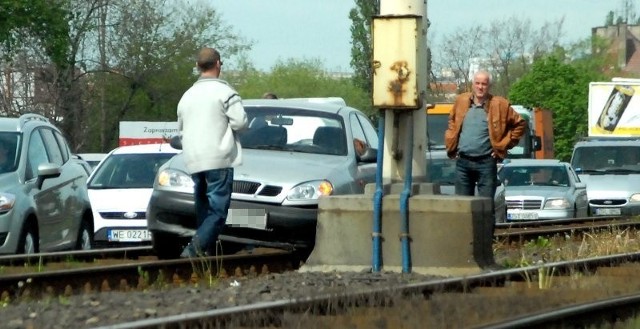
<point x="146" y="132"/>
<point x="614" y="109"/>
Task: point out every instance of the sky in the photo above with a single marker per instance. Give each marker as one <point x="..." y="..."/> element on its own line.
<point x="320" y="29"/>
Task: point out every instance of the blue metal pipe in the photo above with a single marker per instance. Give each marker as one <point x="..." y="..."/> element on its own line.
<point x="404" y="200"/>
<point x="376" y="262"/>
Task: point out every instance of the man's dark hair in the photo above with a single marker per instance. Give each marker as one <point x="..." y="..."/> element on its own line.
<point x="207" y="58"/>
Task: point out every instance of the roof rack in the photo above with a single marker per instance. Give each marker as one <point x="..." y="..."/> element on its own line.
<point x="32" y="116"/>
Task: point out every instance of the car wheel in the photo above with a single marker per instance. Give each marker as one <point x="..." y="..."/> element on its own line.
<point x="28" y="242"/>
<point x="167" y="246"/>
<point x="85" y="237"/>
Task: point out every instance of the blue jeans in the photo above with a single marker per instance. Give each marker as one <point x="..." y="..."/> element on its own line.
<point x="212" y="195"/>
<point x="481" y="173"/>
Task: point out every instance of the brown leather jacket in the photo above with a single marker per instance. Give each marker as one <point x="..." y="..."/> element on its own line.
<point x="505" y="124"/>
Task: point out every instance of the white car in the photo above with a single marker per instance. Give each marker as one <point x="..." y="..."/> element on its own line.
<point x="119" y="192"/>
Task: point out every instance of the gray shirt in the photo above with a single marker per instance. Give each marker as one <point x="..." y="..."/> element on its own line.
<point x="474" y="136"/>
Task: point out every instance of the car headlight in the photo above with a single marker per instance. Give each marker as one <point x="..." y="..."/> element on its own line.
<point x="6" y="202"/>
<point x="635" y="198"/>
<point x="310" y="190"/>
<point x="174" y="179"/>
<point x="557" y="204"/>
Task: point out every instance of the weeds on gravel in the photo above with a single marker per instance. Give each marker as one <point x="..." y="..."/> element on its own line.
<point x="567" y="246"/>
<point x="203" y="267"/>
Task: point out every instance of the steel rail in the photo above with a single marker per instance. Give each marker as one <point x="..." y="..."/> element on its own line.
<point x="581" y="315"/>
<point x="135" y="273"/>
<point x="270" y="311"/>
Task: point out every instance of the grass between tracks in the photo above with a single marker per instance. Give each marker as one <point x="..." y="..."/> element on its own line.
<point x="601" y="242"/>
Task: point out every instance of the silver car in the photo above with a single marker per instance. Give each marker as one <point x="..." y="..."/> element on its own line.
<point x="294" y="152"/>
<point x="44" y="205"/>
<point x="543" y="189"/>
<point x="442" y="170"/>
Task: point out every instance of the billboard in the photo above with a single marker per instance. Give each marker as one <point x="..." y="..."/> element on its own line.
<point x="146" y="132"/>
<point x="614" y="109"/>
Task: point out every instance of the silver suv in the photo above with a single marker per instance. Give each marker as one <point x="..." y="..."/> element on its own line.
<point x="44" y="205"/>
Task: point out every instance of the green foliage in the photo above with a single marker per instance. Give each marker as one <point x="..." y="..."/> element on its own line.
<point x="47" y="21"/>
<point x="563" y="88"/>
<point x="299" y="78"/>
<point x="361" y="46"/>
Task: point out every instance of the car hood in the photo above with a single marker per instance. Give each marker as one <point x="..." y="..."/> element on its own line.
<point x="273" y="167"/>
<point x="611" y="185"/>
<point x="119" y="199"/>
<point x="286" y="167"/>
<point x="537" y="191"/>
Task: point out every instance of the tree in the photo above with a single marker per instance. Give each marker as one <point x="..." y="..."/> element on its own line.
<point x="609" y="19"/>
<point x="458" y="49"/>
<point x="506" y="47"/>
<point x="563" y="88"/>
<point x="361" y="48"/>
<point x="299" y="78"/>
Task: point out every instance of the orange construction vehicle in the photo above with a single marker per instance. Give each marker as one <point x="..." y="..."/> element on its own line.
<point x="537" y="142"/>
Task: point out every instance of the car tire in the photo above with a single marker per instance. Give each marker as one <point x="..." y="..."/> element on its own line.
<point x="85" y="237"/>
<point x="167" y="246"/>
<point x="28" y="242"/>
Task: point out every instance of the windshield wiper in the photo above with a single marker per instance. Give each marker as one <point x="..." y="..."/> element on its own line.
<point x="622" y="171"/>
<point x="592" y="171"/>
<point x="268" y="147"/>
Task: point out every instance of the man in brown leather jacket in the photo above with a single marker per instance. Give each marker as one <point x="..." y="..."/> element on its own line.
<point x="482" y="127"/>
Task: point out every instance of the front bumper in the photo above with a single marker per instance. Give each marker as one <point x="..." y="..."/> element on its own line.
<point x="174" y="213"/>
<point x="629" y="209"/>
<point x="542" y="214"/>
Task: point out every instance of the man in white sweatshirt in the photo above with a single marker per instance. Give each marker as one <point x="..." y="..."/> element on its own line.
<point x="209" y="115"/>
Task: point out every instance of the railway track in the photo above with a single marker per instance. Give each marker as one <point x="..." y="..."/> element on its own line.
<point x="487" y="300"/>
<point x="522" y="231"/>
<point x="91" y="272"/>
<point x="137" y="269"/>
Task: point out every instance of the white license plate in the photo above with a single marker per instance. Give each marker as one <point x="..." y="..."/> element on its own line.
<point x="247" y="218"/>
<point x="128" y="235"/>
<point x="608" y="211"/>
<point x="521" y="215"/>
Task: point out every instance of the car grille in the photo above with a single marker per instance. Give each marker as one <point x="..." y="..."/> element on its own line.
<point x="123" y="215"/>
<point x="246" y="187"/>
<point x="524" y="204"/>
<point x="607" y="202"/>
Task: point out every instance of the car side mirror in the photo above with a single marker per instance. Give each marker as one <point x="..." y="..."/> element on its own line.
<point x="581" y="185"/>
<point x="369" y="155"/>
<point x="176" y="142"/>
<point x="47" y="170"/>
<point x="537" y="143"/>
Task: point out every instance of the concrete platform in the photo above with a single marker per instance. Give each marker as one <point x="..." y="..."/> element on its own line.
<point x="450" y="235"/>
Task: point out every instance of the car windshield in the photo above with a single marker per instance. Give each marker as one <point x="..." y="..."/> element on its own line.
<point x="294" y="130"/>
<point x="534" y="175"/>
<point x="442" y="171"/>
<point x="128" y="170"/>
<point x="606" y="158"/>
<point x="9" y="151"/>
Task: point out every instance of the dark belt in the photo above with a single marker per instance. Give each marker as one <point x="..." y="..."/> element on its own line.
<point x="474" y="157"/>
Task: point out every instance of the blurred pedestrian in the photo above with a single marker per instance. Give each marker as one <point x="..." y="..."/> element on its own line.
<point x="269" y="96"/>
<point x="482" y="127"/>
<point x="209" y="114"/>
